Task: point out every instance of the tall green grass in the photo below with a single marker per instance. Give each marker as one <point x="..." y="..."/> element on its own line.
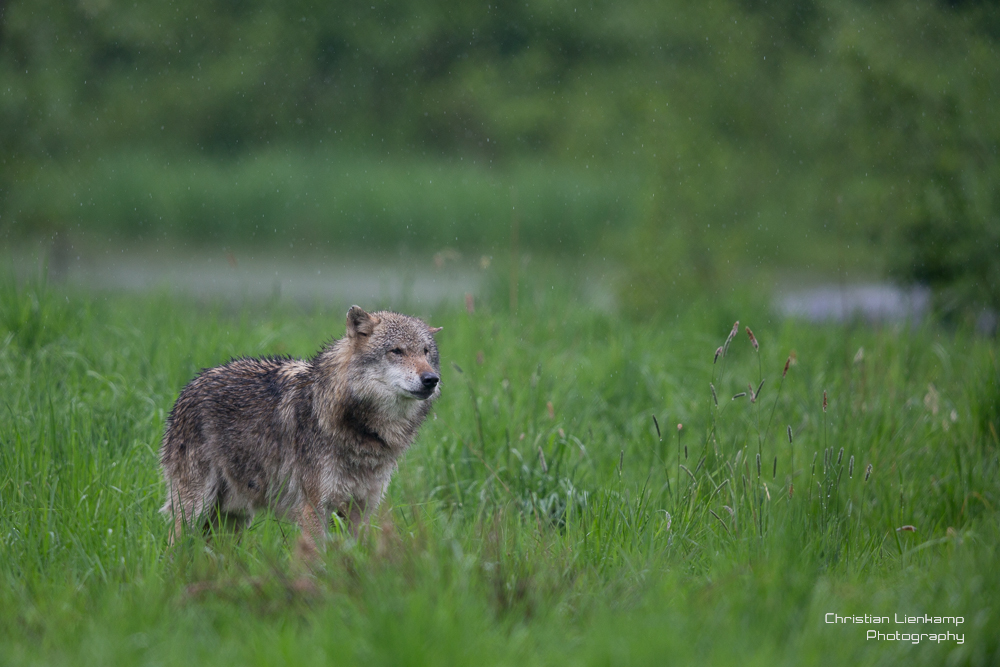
<point x="543" y="516"/>
<point x="325" y="199"/>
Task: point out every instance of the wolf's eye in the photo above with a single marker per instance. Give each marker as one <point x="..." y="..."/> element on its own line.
<point x="397" y="350"/>
<point x="426" y="350"/>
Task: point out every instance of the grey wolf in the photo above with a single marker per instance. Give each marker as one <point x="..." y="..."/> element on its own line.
<point x="303" y="438"/>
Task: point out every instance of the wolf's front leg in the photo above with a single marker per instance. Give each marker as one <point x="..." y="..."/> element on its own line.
<point x="356" y="515"/>
<point x="313" y="522"/>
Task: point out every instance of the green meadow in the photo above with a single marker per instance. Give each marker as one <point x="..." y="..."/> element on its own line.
<point x="590" y="489"/>
<point x="599" y="483"/>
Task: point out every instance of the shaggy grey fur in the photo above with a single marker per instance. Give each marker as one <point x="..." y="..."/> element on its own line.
<point x="305" y="438"/>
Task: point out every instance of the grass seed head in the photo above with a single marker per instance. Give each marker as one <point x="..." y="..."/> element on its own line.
<point x="850" y="468"/>
<point x="868" y="472"/>
<point x="788" y="362"/>
<point x="720" y="521"/>
<point x="715" y="397"/>
<point x="739" y="395"/>
<point x="657" y="425"/>
<point x="789" y="427"/>
<point x="758" y="465"/>
<point x="824" y="400"/>
<point x="753" y="340"/>
<point x="840" y="456"/>
<point x="718" y="353"/>
<point x="774" y="472"/>
<point x="732" y="334"/>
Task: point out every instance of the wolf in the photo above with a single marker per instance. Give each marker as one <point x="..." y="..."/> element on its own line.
<point x="303" y="438"/>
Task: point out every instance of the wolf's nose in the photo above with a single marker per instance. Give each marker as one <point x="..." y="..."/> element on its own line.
<point x="430" y="380"/>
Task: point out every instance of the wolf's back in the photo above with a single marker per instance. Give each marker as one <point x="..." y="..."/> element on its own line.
<point x="229" y="405"/>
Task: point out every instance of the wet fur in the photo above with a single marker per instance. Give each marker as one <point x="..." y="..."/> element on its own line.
<point x="305" y="438"/>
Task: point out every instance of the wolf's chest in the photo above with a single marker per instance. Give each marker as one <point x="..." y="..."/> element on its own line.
<point x="355" y="472"/>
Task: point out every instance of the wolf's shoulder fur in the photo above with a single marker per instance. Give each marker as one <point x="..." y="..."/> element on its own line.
<point x="302" y="437"/>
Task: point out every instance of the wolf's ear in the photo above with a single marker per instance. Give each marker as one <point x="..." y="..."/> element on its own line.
<point x="360" y="323"/>
<point x="434" y="330"/>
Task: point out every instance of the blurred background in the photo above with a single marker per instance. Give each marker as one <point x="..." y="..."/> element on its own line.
<point x="649" y="149"/>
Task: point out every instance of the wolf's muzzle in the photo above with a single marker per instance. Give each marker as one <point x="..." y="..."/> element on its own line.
<point x="429" y="382"/>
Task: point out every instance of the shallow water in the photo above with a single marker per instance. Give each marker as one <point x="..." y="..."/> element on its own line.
<point x="873" y="302"/>
<point x="242" y="276"/>
<point x="427" y="280"/>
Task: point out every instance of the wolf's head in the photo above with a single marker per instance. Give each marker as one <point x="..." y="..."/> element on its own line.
<point x="393" y="354"/>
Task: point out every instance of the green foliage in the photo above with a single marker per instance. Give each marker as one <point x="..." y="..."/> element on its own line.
<point x="630" y="537"/>
<point x="220" y="76"/>
<point x="873" y="125"/>
<point x="922" y="123"/>
<point x="705" y="137"/>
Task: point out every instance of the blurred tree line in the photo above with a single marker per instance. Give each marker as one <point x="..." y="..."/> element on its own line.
<point x="758" y="132"/>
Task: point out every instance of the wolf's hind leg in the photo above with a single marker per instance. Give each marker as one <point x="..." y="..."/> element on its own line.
<point x="183" y="515"/>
